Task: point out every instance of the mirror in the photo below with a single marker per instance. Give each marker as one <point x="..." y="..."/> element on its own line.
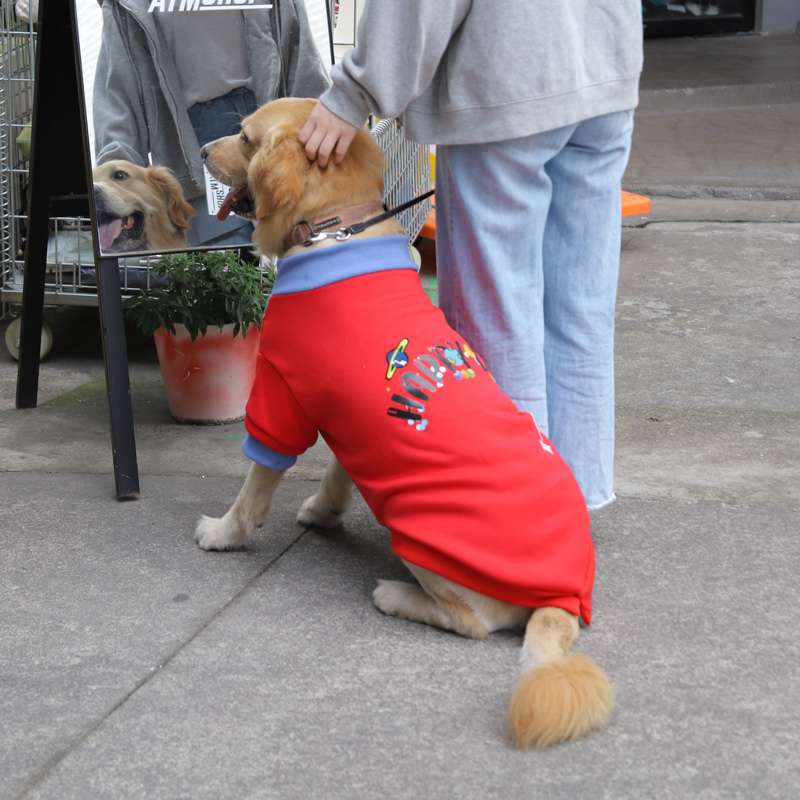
<point x="164" y="77"/>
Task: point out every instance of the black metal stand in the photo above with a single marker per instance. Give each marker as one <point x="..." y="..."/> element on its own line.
<point x="115" y="354"/>
<point x="59" y="186"/>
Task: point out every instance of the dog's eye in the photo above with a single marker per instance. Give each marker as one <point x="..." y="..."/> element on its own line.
<point x="119" y="175"/>
<point x="244" y="138"/>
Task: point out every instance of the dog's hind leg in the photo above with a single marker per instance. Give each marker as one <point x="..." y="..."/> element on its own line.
<point x="409" y="601"/>
<point x="247" y="513"/>
<point x="326" y="507"/>
<point x="444" y="604"/>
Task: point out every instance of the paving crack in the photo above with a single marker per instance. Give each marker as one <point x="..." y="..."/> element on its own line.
<point x="652" y="222"/>
<point x="64" y="753"/>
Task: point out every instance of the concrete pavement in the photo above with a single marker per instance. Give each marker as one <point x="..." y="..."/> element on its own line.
<point x="134" y="665"/>
<point x="149" y="669"/>
<point x="718" y="117"/>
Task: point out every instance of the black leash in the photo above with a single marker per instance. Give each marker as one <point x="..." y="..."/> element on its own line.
<point x="361" y="226"/>
<point x="344" y="233"/>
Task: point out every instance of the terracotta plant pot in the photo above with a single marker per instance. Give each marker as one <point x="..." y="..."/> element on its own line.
<point x="208" y="380"/>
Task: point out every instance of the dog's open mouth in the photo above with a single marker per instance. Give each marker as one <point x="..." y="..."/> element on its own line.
<point x="115" y="232"/>
<point x="238" y="201"/>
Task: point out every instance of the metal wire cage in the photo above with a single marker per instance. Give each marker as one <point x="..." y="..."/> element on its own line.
<point x="70" y="277"/>
<point x="70" y="271"/>
<point x="406" y="174"/>
<point x="17" y="50"/>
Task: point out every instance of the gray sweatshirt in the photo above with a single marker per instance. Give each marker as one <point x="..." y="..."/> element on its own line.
<point x="138" y="104"/>
<point x="468" y="71"/>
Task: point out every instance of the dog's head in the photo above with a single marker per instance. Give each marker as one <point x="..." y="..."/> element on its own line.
<point x="274" y="182"/>
<point x="139" y="208"/>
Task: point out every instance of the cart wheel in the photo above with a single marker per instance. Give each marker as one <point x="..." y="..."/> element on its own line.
<point x="12" y="339"/>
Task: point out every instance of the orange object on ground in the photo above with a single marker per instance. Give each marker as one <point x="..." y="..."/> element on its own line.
<point x="429" y="228"/>
<point x="633" y="205"/>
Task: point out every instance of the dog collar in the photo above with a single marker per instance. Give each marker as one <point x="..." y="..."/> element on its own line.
<point x="307" y="233"/>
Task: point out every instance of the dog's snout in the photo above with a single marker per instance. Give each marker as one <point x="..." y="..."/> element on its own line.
<point x="204" y="152"/>
<point x="99" y="199"/>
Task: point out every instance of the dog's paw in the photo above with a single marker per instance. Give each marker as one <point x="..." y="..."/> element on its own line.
<point x="313" y="515"/>
<point x="217" y="534"/>
<point x="393" y="597"/>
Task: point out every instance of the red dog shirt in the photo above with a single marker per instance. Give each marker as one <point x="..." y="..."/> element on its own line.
<point x="352" y="348"/>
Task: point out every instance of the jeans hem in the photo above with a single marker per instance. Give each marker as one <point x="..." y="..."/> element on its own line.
<point x="602" y="503"/>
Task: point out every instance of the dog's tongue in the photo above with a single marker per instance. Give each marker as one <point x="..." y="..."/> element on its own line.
<point x="108" y="233"/>
<point x="227" y="204"/>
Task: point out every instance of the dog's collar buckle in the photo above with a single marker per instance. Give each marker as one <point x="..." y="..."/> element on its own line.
<point x="342" y="235"/>
<point x="307" y="233"/>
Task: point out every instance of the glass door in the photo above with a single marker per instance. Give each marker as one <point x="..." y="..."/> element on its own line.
<point x="668" y="18"/>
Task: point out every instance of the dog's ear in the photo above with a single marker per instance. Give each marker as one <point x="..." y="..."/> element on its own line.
<point x="276" y="172"/>
<point x="180" y="212"/>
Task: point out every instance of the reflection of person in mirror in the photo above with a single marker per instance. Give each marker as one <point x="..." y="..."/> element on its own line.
<point x="27" y="10"/>
<point x="167" y="83"/>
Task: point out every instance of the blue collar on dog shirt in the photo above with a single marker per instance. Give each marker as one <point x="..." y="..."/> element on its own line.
<point x="326" y="265"/>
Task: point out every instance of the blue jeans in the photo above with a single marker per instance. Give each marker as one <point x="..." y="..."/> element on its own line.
<point x="213" y="120"/>
<point x="527" y="252"/>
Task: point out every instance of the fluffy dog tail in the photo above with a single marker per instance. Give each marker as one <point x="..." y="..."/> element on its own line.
<point x="558" y="696"/>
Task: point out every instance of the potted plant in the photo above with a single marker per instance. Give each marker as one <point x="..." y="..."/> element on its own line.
<point x="205" y="320"/>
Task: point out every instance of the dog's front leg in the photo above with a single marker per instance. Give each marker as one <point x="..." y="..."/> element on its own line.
<point x="326" y="507"/>
<point x="248" y="512"/>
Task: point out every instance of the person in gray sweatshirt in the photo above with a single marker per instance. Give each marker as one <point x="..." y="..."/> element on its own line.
<point x="530" y="104"/>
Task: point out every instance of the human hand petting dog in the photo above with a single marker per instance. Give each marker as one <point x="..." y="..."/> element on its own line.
<point x="324" y="134"/>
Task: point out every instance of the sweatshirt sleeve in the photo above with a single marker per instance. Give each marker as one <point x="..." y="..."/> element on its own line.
<point x="400" y="46"/>
<point x="275" y="419"/>
<point x="120" y="126"/>
<point x="307" y="76"/>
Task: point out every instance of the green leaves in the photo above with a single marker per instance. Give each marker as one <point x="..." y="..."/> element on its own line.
<point x="204" y="289"/>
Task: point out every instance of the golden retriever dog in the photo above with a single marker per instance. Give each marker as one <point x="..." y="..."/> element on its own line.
<point x="559" y="695"/>
<point x="139" y="208"/>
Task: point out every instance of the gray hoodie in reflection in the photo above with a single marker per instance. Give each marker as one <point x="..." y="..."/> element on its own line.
<point x="138" y="107"/>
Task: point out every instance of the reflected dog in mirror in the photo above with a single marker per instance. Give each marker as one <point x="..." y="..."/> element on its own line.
<point x="139" y="208"/>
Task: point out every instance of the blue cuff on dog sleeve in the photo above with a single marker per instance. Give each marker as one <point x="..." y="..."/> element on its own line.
<point x="261" y="454"/>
